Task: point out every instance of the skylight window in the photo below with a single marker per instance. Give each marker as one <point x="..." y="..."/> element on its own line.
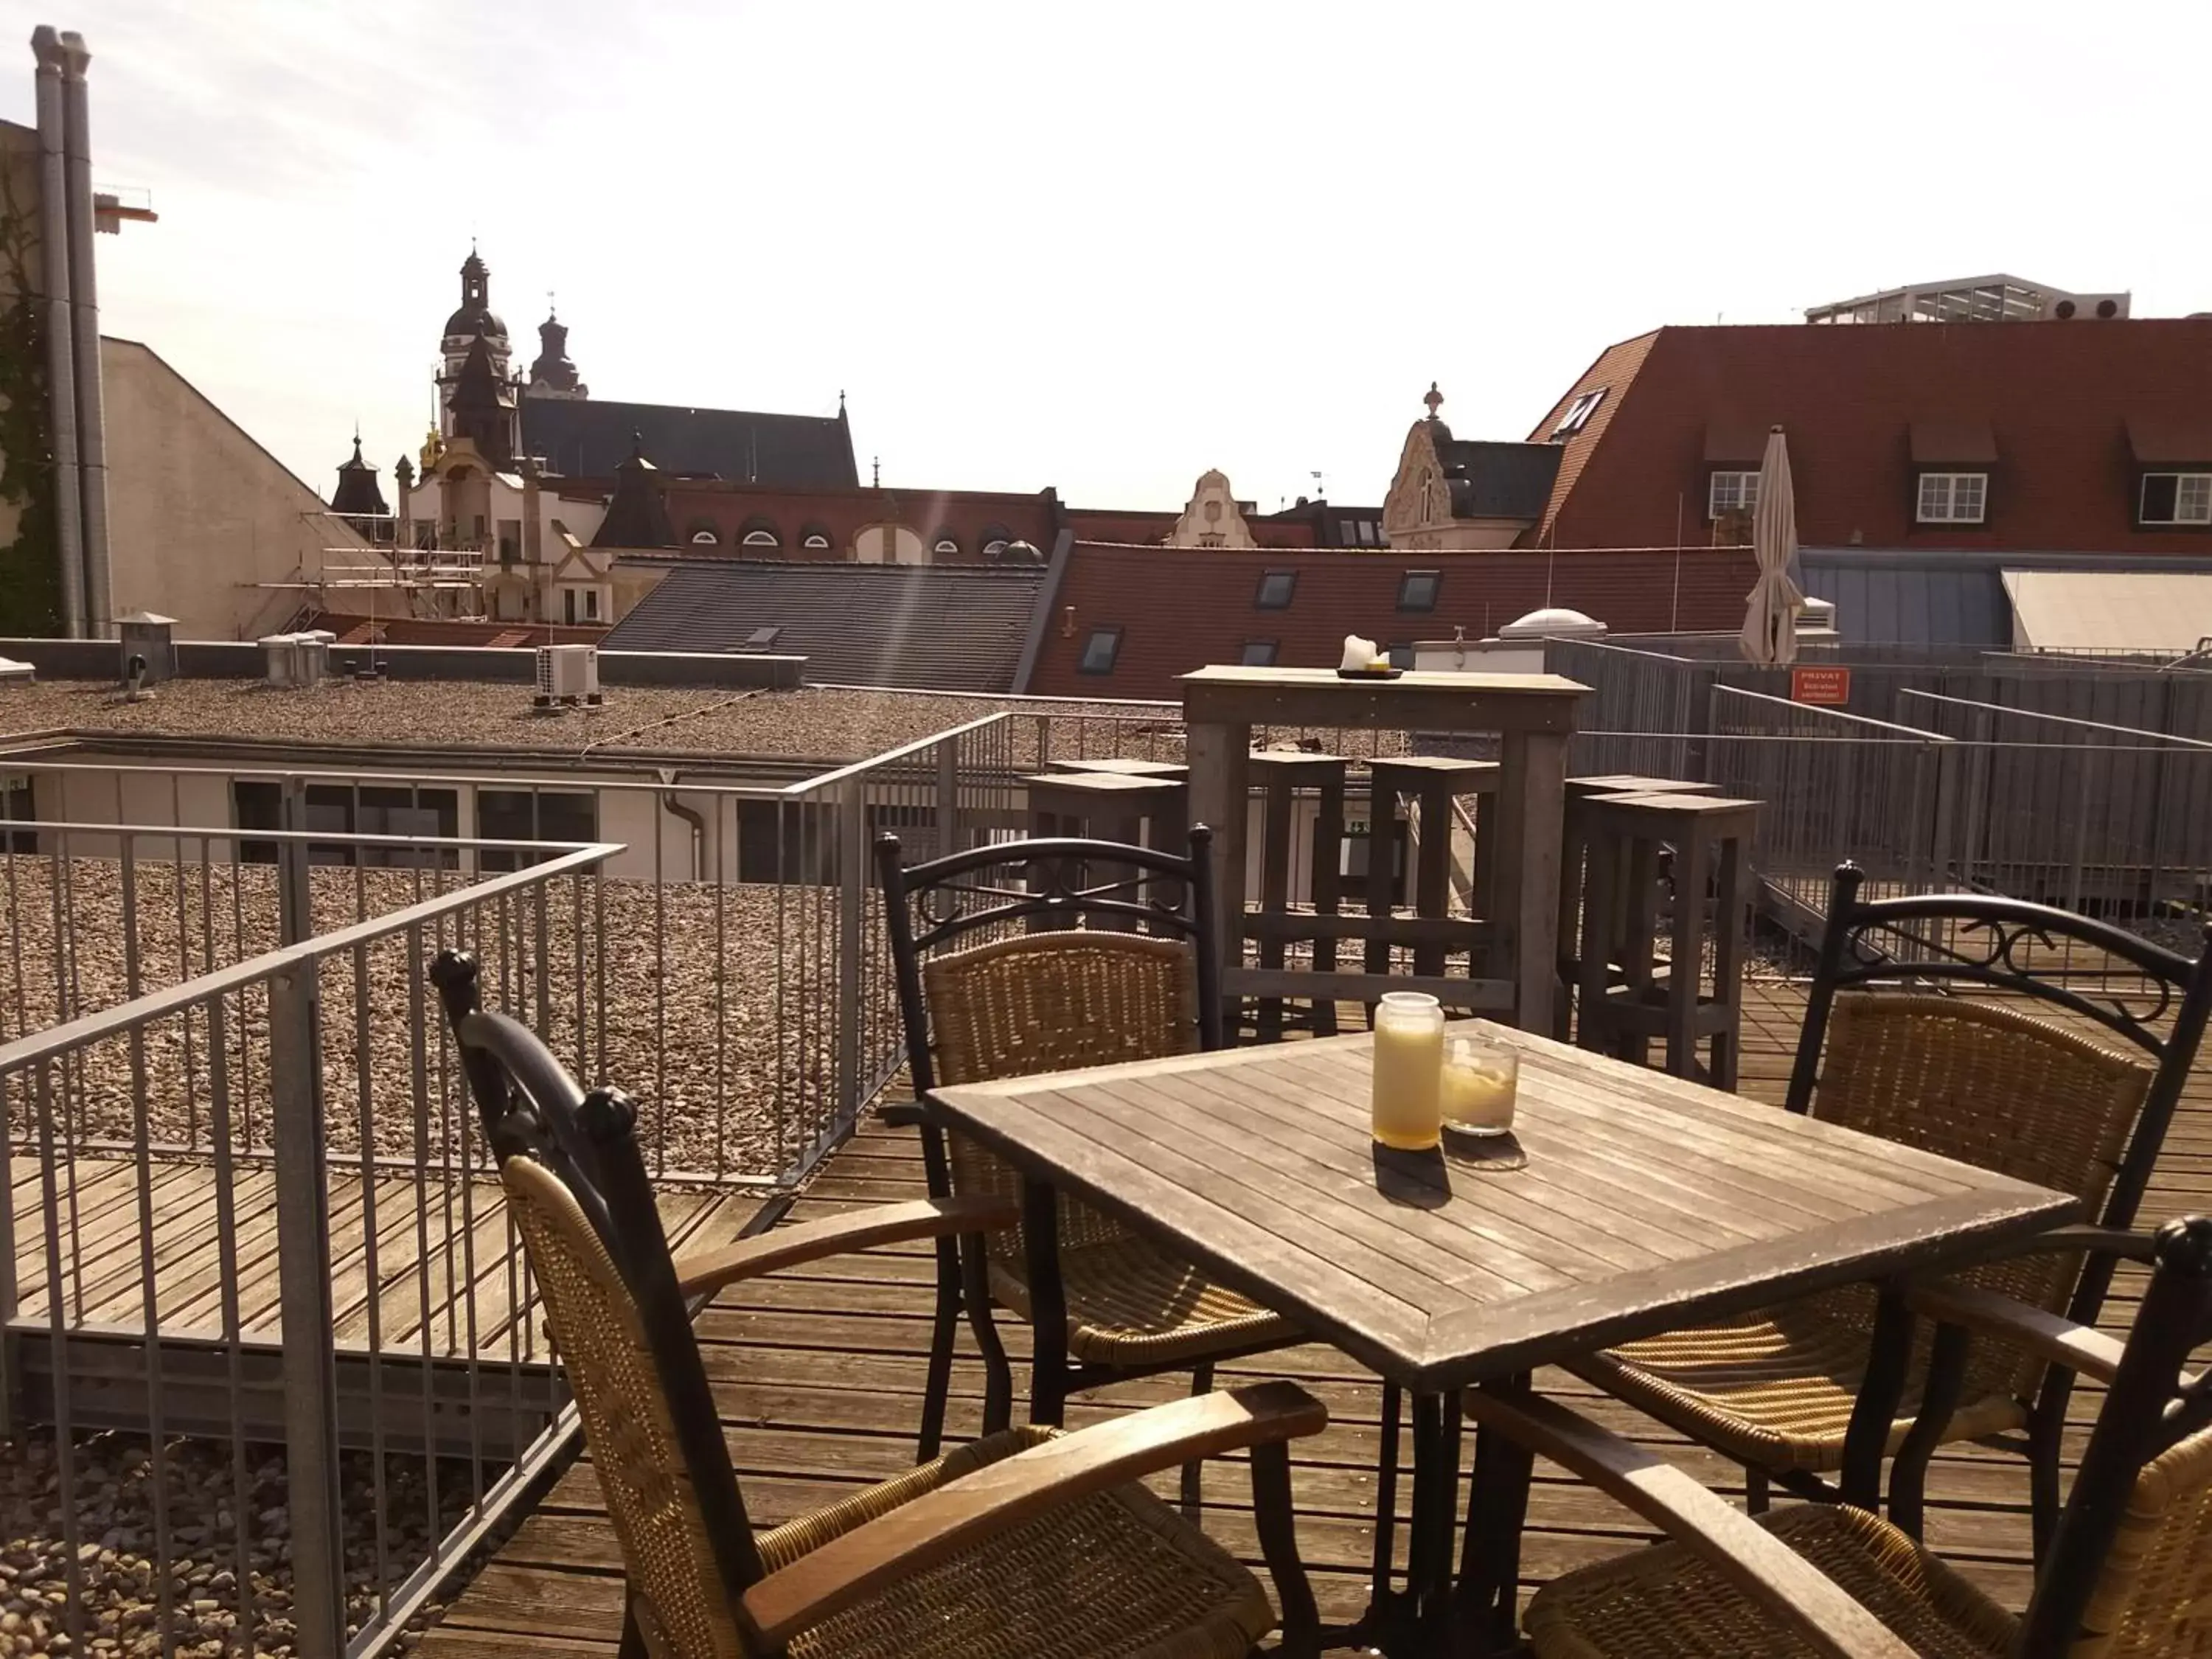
<point x="1578" y="413"/>
<point x="1259" y="654"/>
<point x="761" y="639"/>
<point x="1416" y="590"/>
<point x="1099" y="651"/>
<point x="1276" y="589"/>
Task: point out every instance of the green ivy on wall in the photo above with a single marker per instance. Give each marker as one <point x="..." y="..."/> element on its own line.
<point x="30" y="565"/>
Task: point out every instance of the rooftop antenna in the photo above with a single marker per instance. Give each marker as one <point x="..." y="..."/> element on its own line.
<point x="1318" y="490"/>
<point x="877" y="463"/>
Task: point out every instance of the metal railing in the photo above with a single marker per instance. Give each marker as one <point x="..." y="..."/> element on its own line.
<point x="271" y="1351"/>
<point x="736" y="973"/>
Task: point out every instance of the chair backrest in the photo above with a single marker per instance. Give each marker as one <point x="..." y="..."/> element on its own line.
<point x="2130" y="1569"/>
<point x="1937" y="941"/>
<point x="1008" y="965"/>
<point x="581" y="1199"/>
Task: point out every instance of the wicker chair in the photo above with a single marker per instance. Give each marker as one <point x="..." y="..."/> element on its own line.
<point x="1778" y="1389"/>
<point x="1009" y="964"/>
<point x="1028" y="1544"/>
<point x="2127" y="1575"/>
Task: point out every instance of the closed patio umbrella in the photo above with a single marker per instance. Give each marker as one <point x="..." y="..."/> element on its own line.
<point x="1770" y="630"/>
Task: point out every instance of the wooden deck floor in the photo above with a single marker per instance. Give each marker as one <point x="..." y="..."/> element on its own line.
<point x="818" y="1373"/>
<point x="432" y="1272"/>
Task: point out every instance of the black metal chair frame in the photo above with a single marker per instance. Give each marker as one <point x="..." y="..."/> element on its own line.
<point x="2001" y="928"/>
<point x="531" y="1107"/>
<point x="952" y="897"/>
<point x="2151" y="1404"/>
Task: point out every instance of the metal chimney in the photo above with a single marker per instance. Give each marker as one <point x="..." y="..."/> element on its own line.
<point x="84" y="304"/>
<point x="61" y="355"/>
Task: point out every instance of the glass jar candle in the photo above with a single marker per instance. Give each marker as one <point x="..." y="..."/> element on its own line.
<point x="1481" y="1078"/>
<point x="1409" y="1058"/>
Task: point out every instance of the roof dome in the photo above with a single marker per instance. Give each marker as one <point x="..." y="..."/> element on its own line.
<point x="473" y="320"/>
<point x="1553" y="620"/>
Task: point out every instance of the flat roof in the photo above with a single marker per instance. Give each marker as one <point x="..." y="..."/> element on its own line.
<point x="818" y="723"/>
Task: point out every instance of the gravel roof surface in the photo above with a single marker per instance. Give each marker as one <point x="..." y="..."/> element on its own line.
<point x="813" y="723"/>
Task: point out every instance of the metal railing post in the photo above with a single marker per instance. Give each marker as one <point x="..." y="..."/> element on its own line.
<point x="303" y="1273"/>
<point x="295" y="899"/>
<point x="949" y="836"/>
<point x="852" y="894"/>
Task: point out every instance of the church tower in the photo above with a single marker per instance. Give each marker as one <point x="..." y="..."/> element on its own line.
<point x="553" y="375"/>
<point x="473" y="320"/>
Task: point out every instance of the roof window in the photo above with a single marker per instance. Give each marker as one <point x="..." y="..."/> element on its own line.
<point x="1099" y="651"/>
<point x="1259" y="654"/>
<point x="1416" y="590"/>
<point x="1276" y="589"/>
<point x="1578" y="413"/>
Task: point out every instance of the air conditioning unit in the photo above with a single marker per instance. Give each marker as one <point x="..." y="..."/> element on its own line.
<point x="568" y="673"/>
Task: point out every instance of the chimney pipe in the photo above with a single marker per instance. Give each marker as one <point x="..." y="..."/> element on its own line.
<point x="61" y="357"/>
<point x="84" y="302"/>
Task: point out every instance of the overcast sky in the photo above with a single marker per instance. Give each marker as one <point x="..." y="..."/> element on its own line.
<point x="1100" y="247"/>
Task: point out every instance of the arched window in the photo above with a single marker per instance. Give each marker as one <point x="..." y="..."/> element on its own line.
<point x="945" y="547"/>
<point x="994" y="550"/>
<point x="758" y="533"/>
<point x="705" y="538"/>
<point x="816" y="542"/>
<point x="760" y="538"/>
<point x="994" y="541"/>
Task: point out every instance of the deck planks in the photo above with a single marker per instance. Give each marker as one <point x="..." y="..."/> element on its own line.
<point x="818" y="1373"/>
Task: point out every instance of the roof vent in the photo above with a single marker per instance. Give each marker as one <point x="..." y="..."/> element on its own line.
<point x="297" y="660"/>
<point x="150" y="638"/>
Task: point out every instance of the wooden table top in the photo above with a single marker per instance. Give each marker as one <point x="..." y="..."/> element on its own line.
<point x="1626" y="1203"/>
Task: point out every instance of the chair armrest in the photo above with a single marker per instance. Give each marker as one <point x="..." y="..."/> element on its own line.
<point x="2046" y="1335"/>
<point x="2091" y="1240"/>
<point x="1751" y="1559"/>
<point x="940" y="1524"/>
<point x="863" y="1229"/>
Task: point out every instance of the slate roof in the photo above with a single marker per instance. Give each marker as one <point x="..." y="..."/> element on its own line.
<point x="1497" y="480"/>
<point x="637" y="511"/>
<point x="589" y="437"/>
<point x="2059" y="403"/>
<point x="929" y="628"/>
<point x="1180" y="608"/>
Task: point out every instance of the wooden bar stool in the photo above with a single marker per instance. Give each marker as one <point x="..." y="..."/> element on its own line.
<point x="1710" y="836"/>
<point x="1283" y="775"/>
<point x="1434" y="781"/>
<point x="1571" y="875"/>
<point x="1137" y="812"/>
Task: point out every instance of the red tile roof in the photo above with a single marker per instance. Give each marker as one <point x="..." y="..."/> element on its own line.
<point x="1182" y="608"/>
<point x="2058" y="399"/>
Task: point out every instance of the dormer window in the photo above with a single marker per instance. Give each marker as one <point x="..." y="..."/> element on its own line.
<point x="703" y="538"/>
<point x="1731" y="492"/>
<point x="816" y="541"/>
<point x="2175" y="498"/>
<point x="1578" y="414"/>
<point x="760" y="538"/>
<point x="1952" y="498"/>
<point x="945" y="548"/>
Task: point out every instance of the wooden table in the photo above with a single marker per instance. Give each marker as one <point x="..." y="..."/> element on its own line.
<point x="1532" y="716"/>
<point x="1626" y="1203"/>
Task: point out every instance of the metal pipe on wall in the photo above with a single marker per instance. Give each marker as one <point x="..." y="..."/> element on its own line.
<point x="84" y="304"/>
<point x="61" y="355"/>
